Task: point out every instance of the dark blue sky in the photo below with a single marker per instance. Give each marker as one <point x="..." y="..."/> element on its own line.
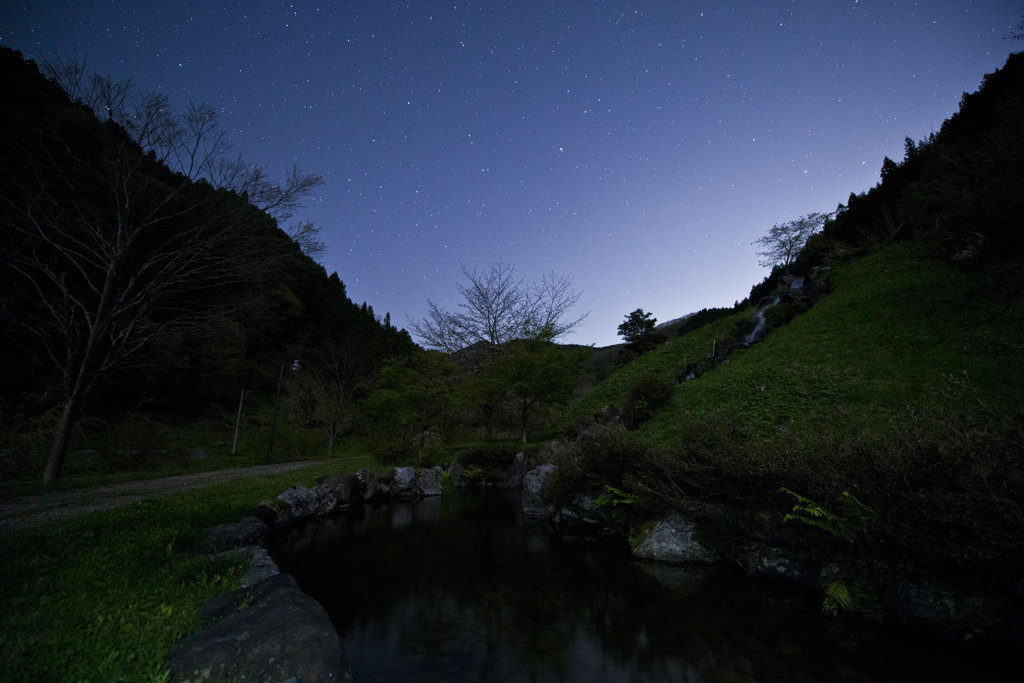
<point x="640" y="147"/>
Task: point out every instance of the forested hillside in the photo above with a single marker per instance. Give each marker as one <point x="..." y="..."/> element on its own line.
<point x="146" y="276"/>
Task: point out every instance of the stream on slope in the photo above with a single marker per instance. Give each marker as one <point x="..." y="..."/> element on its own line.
<point x="462" y="587"/>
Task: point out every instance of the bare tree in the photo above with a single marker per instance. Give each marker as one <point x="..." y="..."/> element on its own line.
<point x="333" y="375"/>
<point x="193" y="144"/>
<point x="498" y="308"/>
<point x="783" y="243"/>
<point x="105" y="249"/>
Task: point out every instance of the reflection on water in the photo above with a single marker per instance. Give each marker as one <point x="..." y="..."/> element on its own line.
<point x="461" y="588"/>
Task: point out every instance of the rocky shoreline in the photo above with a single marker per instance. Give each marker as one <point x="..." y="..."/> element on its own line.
<point x="269" y="630"/>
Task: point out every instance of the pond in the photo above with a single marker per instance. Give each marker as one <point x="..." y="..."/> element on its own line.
<point x="461" y="587"/>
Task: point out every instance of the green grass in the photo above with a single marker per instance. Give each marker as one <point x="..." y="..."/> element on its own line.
<point x="105" y="595"/>
<point x="142" y="447"/>
<point x="901" y="330"/>
<point x="902" y="386"/>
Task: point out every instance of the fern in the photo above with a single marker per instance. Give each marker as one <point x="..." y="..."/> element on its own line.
<point x="855" y="512"/>
<point x="837" y="597"/>
<point x="856" y="517"/>
<point x="614" y="497"/>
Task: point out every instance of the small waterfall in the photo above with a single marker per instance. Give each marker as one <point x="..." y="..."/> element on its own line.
<point x="758" y="330"/>
<point x="797" y="284"/>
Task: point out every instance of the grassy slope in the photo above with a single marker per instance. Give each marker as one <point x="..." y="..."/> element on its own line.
<point x="902" y="386"/>
<point x="901" y="329"/>
<point x="104" y="596"/>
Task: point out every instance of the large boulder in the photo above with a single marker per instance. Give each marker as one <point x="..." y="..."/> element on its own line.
<point x="271" y="631"/>
<point x="369" y="484"/>
<point x="535" y="503"/>
<point x="405" y="478"/>
<point x="428" y="482"/>
<point x="673" y="538"/>
<point x="345" y="488"/>
<point x="296" y="503"/>
<point x="261" y="566"/>
<point x="273" y="512"/>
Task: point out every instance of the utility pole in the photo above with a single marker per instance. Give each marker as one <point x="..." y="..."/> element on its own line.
<point x="273" y="426"/>
<point x="238" y="421"/>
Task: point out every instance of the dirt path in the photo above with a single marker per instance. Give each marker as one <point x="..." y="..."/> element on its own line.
<point x="27" y="511"/>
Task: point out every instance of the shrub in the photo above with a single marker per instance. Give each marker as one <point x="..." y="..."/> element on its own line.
<point x="781" y="314"/>
<point x="647" y="395"/>
<point x="604" y="455"/>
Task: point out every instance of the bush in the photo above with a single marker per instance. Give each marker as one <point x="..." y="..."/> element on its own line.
<point x="781" y="314"/>
<point x="603" y="455"/>
<point x="647" y="395"/>
<point x="491" y="460"/>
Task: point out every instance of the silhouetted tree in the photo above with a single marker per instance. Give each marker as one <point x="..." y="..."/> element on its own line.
<point x="639" y="333"/>
<point x="784" y="241"/>
<point x="192" y="144"/>
<point x="498" y="308"/>
<point x="105" y="249"/>
<point x="332" y="376"/>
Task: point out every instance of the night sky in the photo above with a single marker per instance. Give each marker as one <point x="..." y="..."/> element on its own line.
<point x="639" y="147"/>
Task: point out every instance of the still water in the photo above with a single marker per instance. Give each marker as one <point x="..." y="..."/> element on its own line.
<point x="463" y="588"/>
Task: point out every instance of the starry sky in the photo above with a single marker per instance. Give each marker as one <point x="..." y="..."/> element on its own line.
<point x="638" y="147"/>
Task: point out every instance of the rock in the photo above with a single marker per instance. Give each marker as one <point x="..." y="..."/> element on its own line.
<point x="765" y="562"/>
<point x="298" y="502"/>
<point x="583" y="513"/>
<point x="520" y="466"/>
<point x="273" y="512"/>
<point x="948" y="611"/>
<point x="405" y="477"/>
<point x="260" y="565"/>
<point x="307" y="502"/>
<point x="763" y="526"/>
<point x="271" y="631"/>
<point x="966" y="248"/>
<point x="343" y="486"/>
<point x="368" y="483"/>
<point x="428" y="483"/>
<point x="456" y="470"/>
<point x="535" y="504"/>
<point x="251" y="531"/>
<point x="673" y="538"/>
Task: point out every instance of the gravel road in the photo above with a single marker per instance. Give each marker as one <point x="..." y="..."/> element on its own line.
<point x="27" y="511"/>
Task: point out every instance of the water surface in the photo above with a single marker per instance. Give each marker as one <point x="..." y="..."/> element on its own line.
<point x="463" y="588"/>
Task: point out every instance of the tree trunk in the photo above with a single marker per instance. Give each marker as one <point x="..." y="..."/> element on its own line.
<point x="62" y="439"/>
<point x="522" y="417"/>
<point x="331" y="432"/>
